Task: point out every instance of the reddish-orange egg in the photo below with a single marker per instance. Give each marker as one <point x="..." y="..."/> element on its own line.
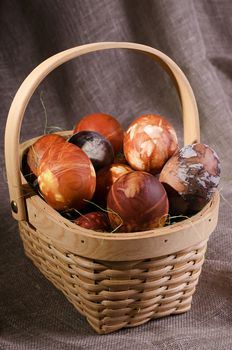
<point x="190" y="177"/>
<point x="97" y="221"/>
<point x="37" y="150"/>
<point x="104" y="124"/>
<point x="149" y="142"/>
<point x="66" y="177"/>
<point x="105" y="177"/>
<point x="137" y="201"/>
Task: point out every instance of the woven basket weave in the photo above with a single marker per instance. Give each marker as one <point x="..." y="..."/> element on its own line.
<point x="114" y="280"/>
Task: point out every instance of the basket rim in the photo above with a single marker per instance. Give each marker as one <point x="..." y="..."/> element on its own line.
<point x="158" y="232"/>
<point x="57" y="231"/>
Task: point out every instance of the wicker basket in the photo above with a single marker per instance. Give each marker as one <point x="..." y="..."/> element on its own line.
<point x="114" y="280"/>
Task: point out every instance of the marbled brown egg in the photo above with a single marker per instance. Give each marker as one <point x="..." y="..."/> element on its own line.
<point x="105" y="177"/>
<point x="97" y="221"/>
<point x="67" y="178"/>
<point x="137" y="201"/>
<point x="190" y="178"/>
<point x="149" y="142"/>
<point x="37" y="150"/>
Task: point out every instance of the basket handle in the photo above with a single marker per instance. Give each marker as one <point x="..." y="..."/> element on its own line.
<point x="24" y="93"/>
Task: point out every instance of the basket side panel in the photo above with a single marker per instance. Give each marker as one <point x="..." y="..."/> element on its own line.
<point x="113" y="295"/>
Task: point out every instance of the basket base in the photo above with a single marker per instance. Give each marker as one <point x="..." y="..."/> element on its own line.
<point x="114" y="295"/>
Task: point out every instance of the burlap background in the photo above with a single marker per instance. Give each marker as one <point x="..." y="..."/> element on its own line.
<point x="198" y="36"/>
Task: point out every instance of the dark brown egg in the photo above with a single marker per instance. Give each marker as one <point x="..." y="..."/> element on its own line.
<point x="137" y="201"/>
<point x="66" y="177"/>
<point x="37" y="150"/>
<point x="105" y="177"/>
<point x="190" y="178"/>
<point x="97" y="147"/>
<point x="104" y="124"/>
<point x="149" y="142"/>
<point x="97" y="221"/>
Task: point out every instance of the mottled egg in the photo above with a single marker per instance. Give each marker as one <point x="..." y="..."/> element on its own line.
<point x="149" y="142"/>
<point x="137" y="201"/>
<point x="67" y="178"/>
<point x="105" y="177"/>
<point x="37" y="150"/>
<point x="190" y="177"/>
<point x="97" y="221"/>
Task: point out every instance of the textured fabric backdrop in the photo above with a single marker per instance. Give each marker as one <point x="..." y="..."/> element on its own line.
<point x="195" y="34"/>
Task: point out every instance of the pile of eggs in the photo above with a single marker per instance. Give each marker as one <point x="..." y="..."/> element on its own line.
<point x="107" y="179"/>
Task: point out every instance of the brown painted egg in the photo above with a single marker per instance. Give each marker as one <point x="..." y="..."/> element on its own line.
<point x="66" y="177"/>
<point x="97" y="221"/>
<point x="97" y="147"/>
<point x="137" y="201"/>
<point x="105" y="177"/>
<point x="37" y="150"/>
<point x="104" y="124"/>
<point x="190" y="178"/>
<point x="149" y="142"/>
